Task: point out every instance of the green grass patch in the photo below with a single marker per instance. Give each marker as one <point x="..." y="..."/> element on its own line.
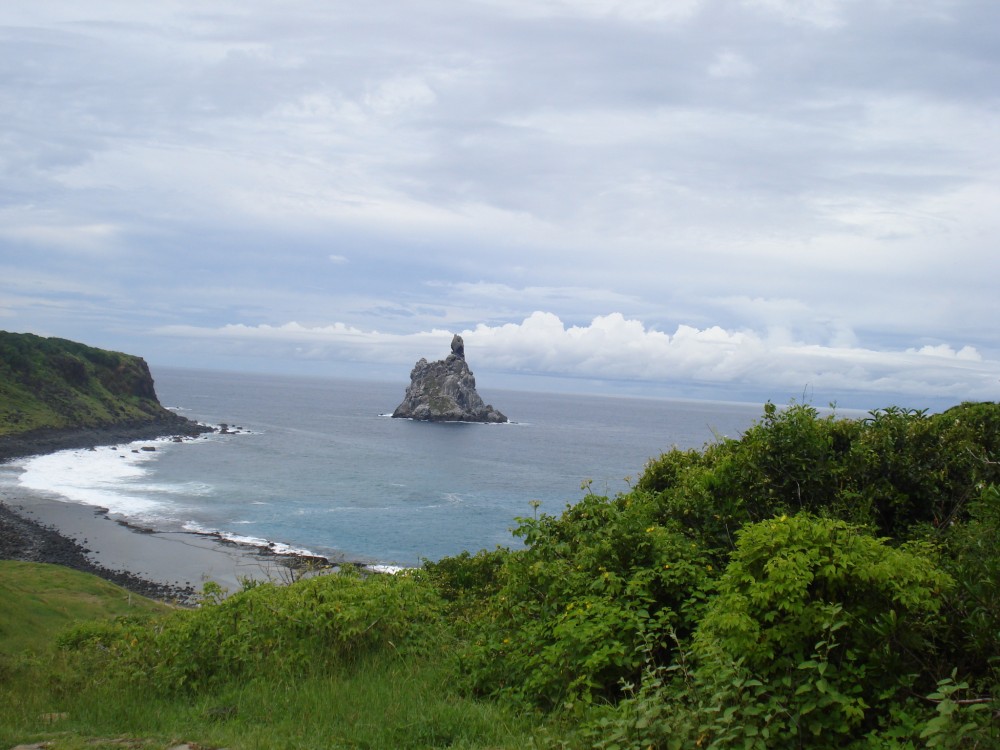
<point x="386" y="702"/>
<point x="370" y="679"/>
<point x="40" y="601"/>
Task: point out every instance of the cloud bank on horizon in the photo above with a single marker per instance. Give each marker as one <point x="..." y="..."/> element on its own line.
<point x="708" y="197"/>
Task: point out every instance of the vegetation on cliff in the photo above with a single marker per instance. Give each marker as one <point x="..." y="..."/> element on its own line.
<point x="819" y="582"/>
<point x="51" y="383"/>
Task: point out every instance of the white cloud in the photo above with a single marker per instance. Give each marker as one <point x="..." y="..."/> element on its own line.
<point x="944" y="351"/>
<point x="613" y="347"/>
<point x="400" y="94"/>
<point x="627" y="10"/>
<point x="730" y="64"/>
<point x="821" y="13"/>
<point x="41" y="229"/>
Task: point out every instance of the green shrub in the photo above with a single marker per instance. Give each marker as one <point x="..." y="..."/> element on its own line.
<point x="830" y="619"/>
<point x="572" y="611"/>
<point x="974" y="605"/>
<point x="316" y="623"/>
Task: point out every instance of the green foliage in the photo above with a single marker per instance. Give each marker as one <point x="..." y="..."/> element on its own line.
<point x="814" y="638"/>
<point x="831" y="619"/>
<point x="791" y="460"/>
<point x="466" y="577"/>
<point x="315" y="623"/>
<point x="896" y="471"/>
<point x="677" y="707"/>
<point x="584" y="609"/>
<point x="388" y="687"/>
<point x="974" y="606"/>
<point x="957" y="722"/>
<point x="55" y="383"/>
<point x="571" y="611"/>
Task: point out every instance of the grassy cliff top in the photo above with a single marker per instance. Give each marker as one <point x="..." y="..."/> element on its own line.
<point x="51" y="383"/>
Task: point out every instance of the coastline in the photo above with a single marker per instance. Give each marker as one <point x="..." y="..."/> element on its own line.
<point x="170" y="566"/>
<point x="39" y="442"/>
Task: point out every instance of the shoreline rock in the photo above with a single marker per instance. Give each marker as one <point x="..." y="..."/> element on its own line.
<point x="50" y="440"/>
<point x="445" y="391"/>
<point x="25" y="540"/>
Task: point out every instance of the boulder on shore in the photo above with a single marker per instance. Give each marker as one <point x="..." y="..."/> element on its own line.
<point x="445" y="391"/>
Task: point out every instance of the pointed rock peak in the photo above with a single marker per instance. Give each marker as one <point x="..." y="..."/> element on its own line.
<point x="458" y="346"/>
<point x="445" y="391"/>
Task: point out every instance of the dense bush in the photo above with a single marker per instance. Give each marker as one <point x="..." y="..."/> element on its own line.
<point x="831" y="619"/>
<point x="818" y="580"/>
<point x="570" y="612"/>
<point x="317" y="623"/>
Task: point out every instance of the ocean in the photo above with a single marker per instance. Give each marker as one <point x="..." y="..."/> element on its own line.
<point x="317" y="465"/>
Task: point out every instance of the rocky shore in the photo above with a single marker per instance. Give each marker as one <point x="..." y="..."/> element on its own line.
<point x="37" y="442"/>
<point x="172" y="566"/>
<point x="29" y="541"/>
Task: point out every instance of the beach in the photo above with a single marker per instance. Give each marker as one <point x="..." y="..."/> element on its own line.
<point x="171" y="566"/>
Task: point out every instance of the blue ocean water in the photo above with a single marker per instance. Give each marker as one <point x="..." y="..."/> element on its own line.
<point x="319" y="466"/>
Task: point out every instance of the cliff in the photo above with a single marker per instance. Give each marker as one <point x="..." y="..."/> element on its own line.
<point x="57" y="394"/>
<point x="445" y="391"/>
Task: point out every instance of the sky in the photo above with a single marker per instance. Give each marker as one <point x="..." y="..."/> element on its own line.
<point x="741" y="200"/>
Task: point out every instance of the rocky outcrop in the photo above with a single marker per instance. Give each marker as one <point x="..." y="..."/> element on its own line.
<point x="445" y="391"/>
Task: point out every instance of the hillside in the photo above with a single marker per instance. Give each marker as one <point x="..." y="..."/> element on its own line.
<point x="43" y="600"/>
<point x="56" y="393"/>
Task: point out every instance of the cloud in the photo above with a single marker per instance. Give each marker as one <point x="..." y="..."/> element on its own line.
<point x="766" y="191"/>
<point x="820" y="13"/>
<point x="946" y="352"/>
<point x="626" y="10"/>
<point x="48" y="230"/>
<point x="400" y="94"/>
<point x="615" y="348"/>
<point x="731" y="65"/>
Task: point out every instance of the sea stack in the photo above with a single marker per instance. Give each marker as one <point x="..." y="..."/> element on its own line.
<point x="445" y="391"/>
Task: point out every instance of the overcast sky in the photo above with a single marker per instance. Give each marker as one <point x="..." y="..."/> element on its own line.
<point x="731" y="199"/>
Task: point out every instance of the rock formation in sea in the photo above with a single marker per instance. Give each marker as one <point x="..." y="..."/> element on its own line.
<point x="445" y="391"/>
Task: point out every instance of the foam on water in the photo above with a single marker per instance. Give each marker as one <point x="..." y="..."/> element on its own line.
<point x="105" y="477"/>
<point x="252" y="541"/>
<point x="390" y="569"/>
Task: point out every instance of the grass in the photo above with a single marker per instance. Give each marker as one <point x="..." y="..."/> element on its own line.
<point x="382" y="700"/>
<point x="380" y="705"/>
<point x="40" y="600"/>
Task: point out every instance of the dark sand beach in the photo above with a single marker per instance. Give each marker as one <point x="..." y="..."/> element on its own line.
<point x="173" y="566"/>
